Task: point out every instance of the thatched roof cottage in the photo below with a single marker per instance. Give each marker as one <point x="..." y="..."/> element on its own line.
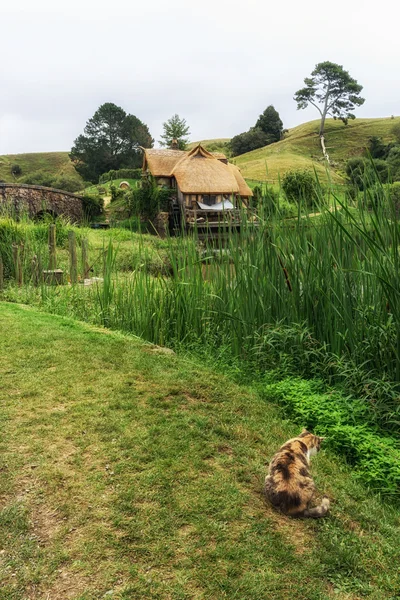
<point x="203" y="180"/>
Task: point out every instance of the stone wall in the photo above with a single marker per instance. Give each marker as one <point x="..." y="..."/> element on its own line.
<point x="35" y="199"/>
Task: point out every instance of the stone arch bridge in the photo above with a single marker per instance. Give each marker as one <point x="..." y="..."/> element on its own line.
<point x="36" y="200"/>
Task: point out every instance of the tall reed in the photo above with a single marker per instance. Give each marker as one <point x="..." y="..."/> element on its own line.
<point x="312" y="295"/>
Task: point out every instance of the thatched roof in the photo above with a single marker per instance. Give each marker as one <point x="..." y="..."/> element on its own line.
<point x="197" y="171"/>
<point x="161" y="162"/>
<point x="244" y="189"/>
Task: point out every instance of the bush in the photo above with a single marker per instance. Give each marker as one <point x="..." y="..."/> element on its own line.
<point x="365" y="173"/>
<point x="377" y="148"/>
<point x="120" y="174"/>
<point x="93" y="205"/>
<point x="16" y="170"/>
<point x="394" y="195"/>
<point x="116" y="193"/>
<point x="396" y="131"/>
<point x="265" y="197"/>
<point x="147" y="200"/>
<point x="300" y="186"/>
<point x="62" y="182"/>
<point x="346" y="423"/>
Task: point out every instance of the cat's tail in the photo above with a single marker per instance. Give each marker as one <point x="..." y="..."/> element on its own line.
<point x="318" y="511"/>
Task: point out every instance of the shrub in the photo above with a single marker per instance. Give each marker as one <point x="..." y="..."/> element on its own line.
<point x="93" y="205"/>
<point x="394" y="195"/>
<point x="116" y="193"/>
<point x="365" y="173"/>
<point x="120" y="174"/>
<point x="396" y="131"/>
<point x="61" y="182"/>
<point x="148" y="199"/>
<point x="344" y="421"/>
<point x="300" y="186"/>
<point x="16" y="170"/>
<point x="377" y="148"/>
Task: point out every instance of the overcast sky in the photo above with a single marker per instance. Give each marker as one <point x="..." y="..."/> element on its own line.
<point x="217" y="63"/>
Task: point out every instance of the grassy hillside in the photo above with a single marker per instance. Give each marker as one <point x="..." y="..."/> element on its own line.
<point x="216" y="145"/>
<point x="56" y="163"/>
<point x="301" y="148"/>
<point x="139" y="476"/>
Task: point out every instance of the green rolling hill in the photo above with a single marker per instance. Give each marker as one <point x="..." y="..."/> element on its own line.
<point x="56" y="163"/>
<point x="301" y="149"/>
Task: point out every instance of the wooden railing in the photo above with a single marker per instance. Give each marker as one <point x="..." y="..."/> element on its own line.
<point x="212" y="218"/>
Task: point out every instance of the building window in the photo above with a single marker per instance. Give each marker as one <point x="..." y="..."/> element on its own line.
<point x="209" y="200"/>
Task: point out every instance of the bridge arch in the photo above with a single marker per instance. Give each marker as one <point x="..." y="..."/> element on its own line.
<point x="36" y="200"/>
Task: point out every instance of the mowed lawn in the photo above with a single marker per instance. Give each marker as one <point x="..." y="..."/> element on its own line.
<point x="127" y="473"/>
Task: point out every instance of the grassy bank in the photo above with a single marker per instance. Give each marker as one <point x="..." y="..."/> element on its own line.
<point x="315" y="297"/>
<point x="140" y="475"/>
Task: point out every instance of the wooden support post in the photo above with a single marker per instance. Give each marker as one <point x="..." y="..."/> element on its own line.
<point x="1" y="273"/>
<point x="35" y="270"/>
<point x="73" y="262"/>
<point x="52" y="247"/>
<point x="85" y="263"/>
<point x="16" y="252"/>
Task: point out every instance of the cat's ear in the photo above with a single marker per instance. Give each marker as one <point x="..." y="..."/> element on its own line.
<point x="322" y="439"/>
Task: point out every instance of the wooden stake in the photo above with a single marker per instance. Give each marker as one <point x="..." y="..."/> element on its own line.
<point x="52" y="247"/>
<point x="35" y="270"/>
<point x="85" y="264"/>
<point x="17" y="264"/>
<point x="73" y="262"/>
<point x="1" y="273"/>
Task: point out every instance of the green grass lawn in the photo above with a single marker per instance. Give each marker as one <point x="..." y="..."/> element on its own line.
<point x="129" y="473"/>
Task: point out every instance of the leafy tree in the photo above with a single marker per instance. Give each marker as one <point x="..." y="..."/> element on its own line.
<point x="111" y="140"/>
<point x="248" y="141"/>
<point x="175" y="129"/>
<point x="270" y="123"/>
<point x="332" y="91"/>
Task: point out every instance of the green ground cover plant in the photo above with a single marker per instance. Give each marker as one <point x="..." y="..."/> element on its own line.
<point x="139" y="475"/>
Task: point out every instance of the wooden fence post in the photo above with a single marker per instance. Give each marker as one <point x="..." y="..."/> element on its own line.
<point x="1" y="273"/>
<point x="85" y="264"/>
<point x="35" y="270"/>
<point x="73" y="263"/>
<point x="52" y="247"/>
<point x="16" y="252"/>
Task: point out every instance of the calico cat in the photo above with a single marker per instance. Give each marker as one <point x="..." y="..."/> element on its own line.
<point x="289" y="485"/>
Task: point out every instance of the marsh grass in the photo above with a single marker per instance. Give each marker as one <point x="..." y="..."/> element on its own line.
<point x="312" y="295"/>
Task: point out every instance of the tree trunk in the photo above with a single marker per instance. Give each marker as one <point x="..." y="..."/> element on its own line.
<point x="324" y="152"/>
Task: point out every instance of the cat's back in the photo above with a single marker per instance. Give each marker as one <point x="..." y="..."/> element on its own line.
<point x="288" y="484"/>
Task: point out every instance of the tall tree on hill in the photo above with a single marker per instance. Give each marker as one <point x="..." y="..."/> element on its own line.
<point x="175" y="129"/>
<point x="111" y="140"/>
<point x="270" y="123"/>
<point x="332" y="91"/>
